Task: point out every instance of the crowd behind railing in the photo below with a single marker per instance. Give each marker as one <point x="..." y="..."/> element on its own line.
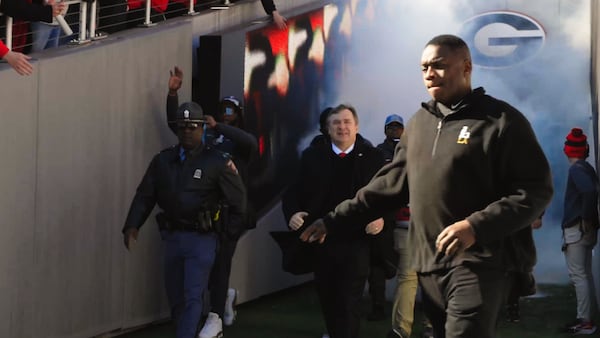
<point x="29" y="26"/>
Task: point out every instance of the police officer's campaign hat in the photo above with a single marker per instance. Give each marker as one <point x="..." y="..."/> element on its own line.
<point x="189" y="112"/>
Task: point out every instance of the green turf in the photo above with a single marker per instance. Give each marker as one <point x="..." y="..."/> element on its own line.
<point x="295" y="313"/>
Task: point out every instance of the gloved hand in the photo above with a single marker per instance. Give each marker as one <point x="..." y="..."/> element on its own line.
<point x="297" y="220"/>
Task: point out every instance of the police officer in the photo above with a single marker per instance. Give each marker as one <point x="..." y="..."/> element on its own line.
<point x="224" y="133"/>
<point x="188" y="182"/>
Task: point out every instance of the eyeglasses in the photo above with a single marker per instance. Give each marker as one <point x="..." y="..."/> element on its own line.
<point x="189" y="125"/>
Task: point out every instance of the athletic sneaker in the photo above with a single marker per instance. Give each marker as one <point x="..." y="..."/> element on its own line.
<point x="428" y="332"/>
<point x="512" y="313"/>
<point x="230" y="302"/>
<point x="397" y="333"/>
<point x="213" y="327"/>
<point x="581" y="327"/>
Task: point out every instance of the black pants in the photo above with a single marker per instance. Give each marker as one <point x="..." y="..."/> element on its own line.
<point x="219" y="275"/>
<point x="383" y="260"/>
<point x="377" y="287"/>
<point x="464" y="301"/>
<point x="340" y="278"/>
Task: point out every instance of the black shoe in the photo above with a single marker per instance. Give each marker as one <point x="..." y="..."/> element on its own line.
<point x="376" y="315"/>
<point x="512" y="313"/>
<point x="427" y="330"/>
<point x="396" y="334"/>
<point x="392" y="334"/>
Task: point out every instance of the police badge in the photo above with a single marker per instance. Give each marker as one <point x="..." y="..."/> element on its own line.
<point x="198" y="173"/>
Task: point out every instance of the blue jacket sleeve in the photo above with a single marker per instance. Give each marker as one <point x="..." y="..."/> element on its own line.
<point x="586" y="186"/>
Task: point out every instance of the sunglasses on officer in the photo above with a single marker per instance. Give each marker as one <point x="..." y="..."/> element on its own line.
<point x="189" y="125"/>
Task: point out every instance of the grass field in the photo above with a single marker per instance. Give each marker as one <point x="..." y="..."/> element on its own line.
<point x="295" y="313"/>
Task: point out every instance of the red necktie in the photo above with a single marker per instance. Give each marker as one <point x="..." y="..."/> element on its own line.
<point x="342" y="154"/>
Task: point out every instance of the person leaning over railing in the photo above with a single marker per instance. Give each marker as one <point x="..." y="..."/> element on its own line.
<point x="18" y="61"/>
<point x="278" y="19"/>
<point x="21" y="9"/>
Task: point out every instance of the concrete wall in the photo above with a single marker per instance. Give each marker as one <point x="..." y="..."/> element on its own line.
<point x="77" y="136"/>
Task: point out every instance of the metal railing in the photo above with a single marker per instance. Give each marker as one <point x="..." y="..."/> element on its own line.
<point x="88" y="18"/>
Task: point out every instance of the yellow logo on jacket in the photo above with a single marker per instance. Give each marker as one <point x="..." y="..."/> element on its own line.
<point x="463" y="136"/>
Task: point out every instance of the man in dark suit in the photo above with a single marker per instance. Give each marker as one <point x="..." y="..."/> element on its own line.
<point x="329" y="173"/>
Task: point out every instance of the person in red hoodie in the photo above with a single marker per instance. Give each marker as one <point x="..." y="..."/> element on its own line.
<point x="18" y="61"/>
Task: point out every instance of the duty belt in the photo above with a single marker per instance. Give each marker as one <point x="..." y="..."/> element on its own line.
<point x="169" y="224"/>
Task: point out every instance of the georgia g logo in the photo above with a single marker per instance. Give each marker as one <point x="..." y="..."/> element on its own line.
<point x="502" y="39"/>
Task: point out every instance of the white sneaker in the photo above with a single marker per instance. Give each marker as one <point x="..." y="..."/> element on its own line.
<point x="213" y="327"/>
<point x="325" y="335"/>
<point x="230" y="312"/>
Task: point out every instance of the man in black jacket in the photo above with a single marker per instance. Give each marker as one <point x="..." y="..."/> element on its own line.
<point x="477" y="178"/>
<point x="188" y="182"/>
<point x="329" y="173"/>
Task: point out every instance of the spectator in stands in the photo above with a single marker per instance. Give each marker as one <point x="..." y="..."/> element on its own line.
<point x="270" y="9"/>
<point x="18" y="61"/>
<point x="21" y="9"/>
<point x="45" y="34"/>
